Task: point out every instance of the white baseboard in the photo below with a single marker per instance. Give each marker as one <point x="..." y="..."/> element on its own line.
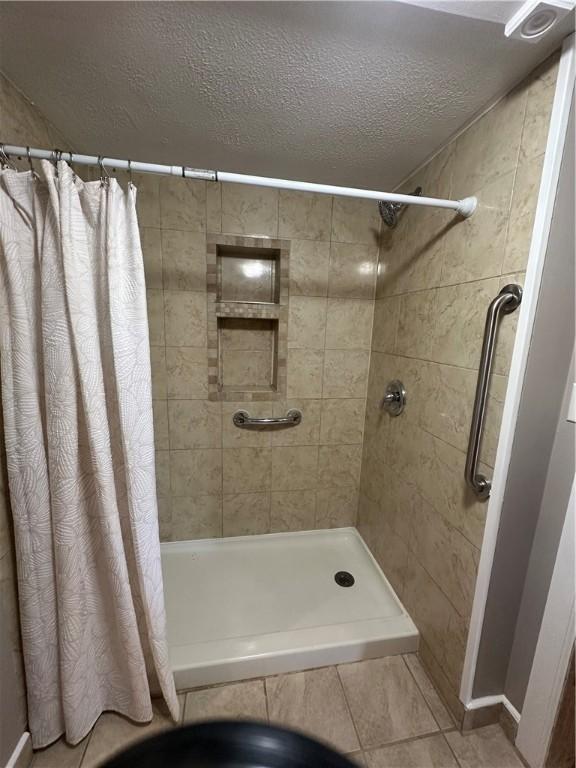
<point x="22" y="755"/>
<point x="490" y="701"/>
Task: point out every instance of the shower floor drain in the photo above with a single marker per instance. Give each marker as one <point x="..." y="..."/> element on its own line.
<point x="344" y="579"/>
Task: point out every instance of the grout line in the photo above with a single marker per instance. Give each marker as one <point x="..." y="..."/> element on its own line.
<point x="211" y="686"/>
<point x="430" y="576"/>
<point x="438" y="693"/>
<point x="444" y="285"/>
<point x="221" y="211"/>
<point x="411" y="549"/>
<point x="429" y="360"/>
<point x="450" y="747"/>
<point x="452" y="366"/>
<point x="277" y="236"/>
<point x="454" y="717"/>
<point x="396" y="323"/>
<point x="451" y="165"/>
<point x="327" y="296"/>
<point x="331" y="240"/>
<point x="446" y="520"/>
<point x="266" y="702"/>
<point x="222" y="472"/>
<point x="509" y="214"/>
<point x="406" y="740"/>
<point x="348" y="707"/>
<point x="422" y="692"/>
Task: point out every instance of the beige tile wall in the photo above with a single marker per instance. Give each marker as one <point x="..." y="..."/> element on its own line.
<point x="213" y="478"/>
<point x="436" y="278"/>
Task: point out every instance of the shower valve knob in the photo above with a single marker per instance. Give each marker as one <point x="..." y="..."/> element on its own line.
<point x="394" y="398"/>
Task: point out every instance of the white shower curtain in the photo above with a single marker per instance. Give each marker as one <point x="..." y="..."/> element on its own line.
<point x="76" y="392"/>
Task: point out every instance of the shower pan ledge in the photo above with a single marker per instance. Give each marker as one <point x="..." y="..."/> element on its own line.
<point x="250" y="606"/>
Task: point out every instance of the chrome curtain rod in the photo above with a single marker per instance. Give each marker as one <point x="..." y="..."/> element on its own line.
<point x="464" y="207"/>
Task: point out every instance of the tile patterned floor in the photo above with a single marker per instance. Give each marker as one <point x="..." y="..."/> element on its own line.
<point x="383" y="713"/>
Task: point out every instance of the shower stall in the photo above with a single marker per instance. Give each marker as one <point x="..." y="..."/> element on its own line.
<point x="259" y="384"/>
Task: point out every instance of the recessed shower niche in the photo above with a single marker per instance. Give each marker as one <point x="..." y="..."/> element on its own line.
<point x="248" y="274"/>
<point x="247" y="317"/>
<point x="247" y="353"/>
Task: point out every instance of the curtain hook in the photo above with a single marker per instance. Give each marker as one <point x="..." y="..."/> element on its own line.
<point x="29" y="156"/>
<point x="69" y="163"/>
<point x="130" y="182"/>
<point x="54" y="160"/>
<point x="104" y="177"/>
<point x="4" y="159"/>
<point x="58" y="157"/>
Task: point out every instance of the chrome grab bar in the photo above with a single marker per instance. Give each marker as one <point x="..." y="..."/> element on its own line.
<point x="245" y="421"/>
<point x="507" y="301"/>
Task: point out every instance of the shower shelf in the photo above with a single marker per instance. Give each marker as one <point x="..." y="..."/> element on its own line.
<point x="247" y="288"/>
<point x="250" y="275"/>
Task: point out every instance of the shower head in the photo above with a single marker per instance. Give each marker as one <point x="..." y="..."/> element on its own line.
<point x="389" y="211"/>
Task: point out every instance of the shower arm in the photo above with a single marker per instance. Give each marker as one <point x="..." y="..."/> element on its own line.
<point x="464" y="207"/>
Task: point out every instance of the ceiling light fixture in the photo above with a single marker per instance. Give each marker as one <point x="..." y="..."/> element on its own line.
<point x="535" y="19"/>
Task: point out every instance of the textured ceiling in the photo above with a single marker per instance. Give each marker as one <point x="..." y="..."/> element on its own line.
<point x="350" y="93"/>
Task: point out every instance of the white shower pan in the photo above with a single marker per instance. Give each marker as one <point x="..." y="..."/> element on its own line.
<point x="261" y="605"/>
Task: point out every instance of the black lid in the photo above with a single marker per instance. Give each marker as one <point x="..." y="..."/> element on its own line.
<point x="224" y="744"/>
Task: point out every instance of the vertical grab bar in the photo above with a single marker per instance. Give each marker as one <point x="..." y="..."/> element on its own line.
<point x="507" y="301"/>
